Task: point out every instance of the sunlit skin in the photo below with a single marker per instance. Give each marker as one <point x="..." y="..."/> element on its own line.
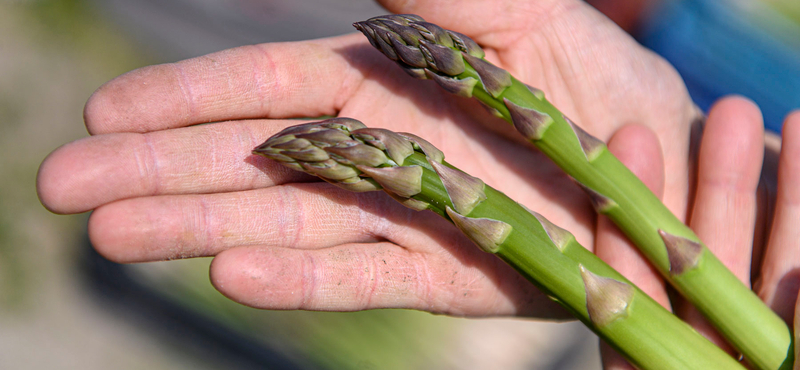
<point x="163" y="187"/>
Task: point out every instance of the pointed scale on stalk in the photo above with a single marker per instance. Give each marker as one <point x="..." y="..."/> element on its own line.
<point x="607" y="300"/>
<point x="465" y="191"/>
<point x="559" y="236"/>
<point x="413" y="172"/>
<point x="487" y="233"/>
<point x="528" y="121"/>
<point x="404" y="181"/>
<point x="684" y="254"/>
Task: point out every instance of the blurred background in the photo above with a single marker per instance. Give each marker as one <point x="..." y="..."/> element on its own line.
<point x="64" y="307"/>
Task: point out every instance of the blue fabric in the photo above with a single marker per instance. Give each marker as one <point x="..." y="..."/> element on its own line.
<point x="720" y="51"/>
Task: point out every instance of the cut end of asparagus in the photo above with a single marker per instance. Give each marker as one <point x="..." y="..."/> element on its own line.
<point x="465" y="191"/>
<point x="607" y="300"/>
<point x="684" y="254"/>
<point x="488" y="234"/>
<point x="529" y="122"/>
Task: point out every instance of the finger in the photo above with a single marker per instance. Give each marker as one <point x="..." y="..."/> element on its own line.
<point x="101" y="169"/>
<point x="355" y="277"/>
<point x="305" y="216"/>
<point x="780" y="278"/>
<point x="765" y="201"/>
<point x="728" y="174"/>
<point x="612" y="360"/>
<point x="796" y="331"/>
<point x="306" y="79"/>
<point x="725" y="203"/>
<point x="638" y="148"/>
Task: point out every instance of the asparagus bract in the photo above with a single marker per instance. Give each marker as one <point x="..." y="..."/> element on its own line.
<point x="414" y="172"/>
<point x="456" y="63"/>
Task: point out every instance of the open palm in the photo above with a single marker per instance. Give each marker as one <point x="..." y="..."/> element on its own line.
<point x="163" y="186"/>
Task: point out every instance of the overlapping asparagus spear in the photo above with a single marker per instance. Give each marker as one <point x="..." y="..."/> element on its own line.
<point x="456" y="63"/>
<point x="347" y="154"/>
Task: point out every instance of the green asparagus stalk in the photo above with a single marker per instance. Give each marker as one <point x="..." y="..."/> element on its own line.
<point x="347" y="154"/>
<point x="456" y="63"/>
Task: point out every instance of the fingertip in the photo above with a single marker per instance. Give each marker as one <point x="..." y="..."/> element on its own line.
<point x="737" y="105"/>
<point x="736" y="114"/>
<point x="104" y="233"/>
<point x="791" y="125"/>
<point x="55" y="183"/>
<point x="789" y="166"/>
<point x="47" y="186"/>
<point x="137" y="101"/>
<point x="732" y="147"/>
<point x="86" y="173"/>
<point x="260" y="277"/>
<point x="116" y="231"/>
<point x="227" y="274"/>
<point x="734" y="121"/>
<point x="639" y="149"/>
<point x="96" y="111"/>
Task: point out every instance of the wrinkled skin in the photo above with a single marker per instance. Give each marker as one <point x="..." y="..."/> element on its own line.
<point x="163" y="187"/>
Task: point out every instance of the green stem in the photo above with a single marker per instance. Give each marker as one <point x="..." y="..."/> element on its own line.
<point x="732" y="307"/>
<point x="648" y="335"/>
<point x="346" y="153"/>
<point x="456" y="63"/>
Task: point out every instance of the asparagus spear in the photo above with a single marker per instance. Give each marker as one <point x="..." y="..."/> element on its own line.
<point x="347" y="154"/>
<point x="456" y="63"/>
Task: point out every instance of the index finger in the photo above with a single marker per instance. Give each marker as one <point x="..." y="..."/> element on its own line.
<point x="279" y="80"/>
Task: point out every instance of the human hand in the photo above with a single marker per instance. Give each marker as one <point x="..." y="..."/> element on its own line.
<point x="164" y="187"/>
<point x="731" y="210"/>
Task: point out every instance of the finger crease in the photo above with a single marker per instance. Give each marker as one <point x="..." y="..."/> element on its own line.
<point x="267" y="85"/>
<point x="291" y="219"/>
<point x="206" y="224"/>
<point x="370" y="280"/>
<point x="309" y="282"/>
<point x="148" y="165"/>
<point x="424" y="281"/>
<point x="186" y="92"/>
<point x="251" y="143"/>
<point x="347" y="89"/>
